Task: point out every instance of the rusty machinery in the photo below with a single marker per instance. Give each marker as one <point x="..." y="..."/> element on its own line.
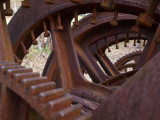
<point x="65" y="94"/>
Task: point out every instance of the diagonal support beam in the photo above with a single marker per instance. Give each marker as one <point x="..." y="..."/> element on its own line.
<point x="6" y="53"/>
<point x="106" y="63"/>
<point x="68" y="65"/>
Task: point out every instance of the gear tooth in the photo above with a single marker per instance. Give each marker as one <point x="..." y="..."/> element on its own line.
<point x="19" y="76"/>
<point x="11" y="72"/>
<point x="50" y="95"/>
<point x="59" y="104"/>
<point x="36" y="89"/>
<point x="41" y="94"/>
<point x="85" y="117"/>
<point x="125" y="56"/>
<point x="70" y="112"/>
<point x="27" y="82"/>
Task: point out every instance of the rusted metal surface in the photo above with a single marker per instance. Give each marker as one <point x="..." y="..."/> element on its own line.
<point x="6" y="53"/>
<point x="38" y="15"/>
<point x="96" y="74"/>
<point x="59" y="77"/>
<point x="137" y="99"/>
<point x="60" y="83"/>
<point x="131" y="56"/>
<point x="154" y="43"/>
<point x="119" y="78"/>
<point x="36" y="91"/>
<point x="38" y="98"/>
<point x="70" y="75"/>
<point x="112" y="41"/>
<point x="146" y="18"/>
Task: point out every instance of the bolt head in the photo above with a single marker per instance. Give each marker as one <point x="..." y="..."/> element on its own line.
<point x="94" y="21"/>
<point x="26" y="4"/>
<point x="145" y="20"/>
<point x="107" y="4"/>
<point x="34" y="42"/>
<point x="49" y="1"/>
<point x="8" y="12"/>
<point x="114" y="23"/>
<point x="26" y="52"/>
<point x="76" y="1"/>
<point x="135" y="29"/>
<point x="76" y="23"/>
<point x="60" y="27"/>
<point x="46" y="34"/>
